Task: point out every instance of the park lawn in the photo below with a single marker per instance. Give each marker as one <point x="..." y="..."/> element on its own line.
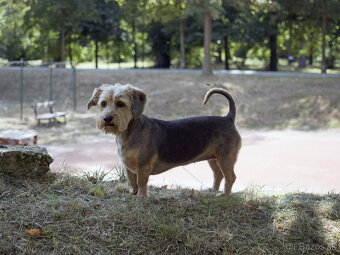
<point x="86" y="215"/>
<point x="304" y="103"/>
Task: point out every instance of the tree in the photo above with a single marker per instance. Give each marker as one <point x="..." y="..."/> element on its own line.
<point x="61" y="16"/>
<point x="160" y="38"/>
<point x="105" y="24"/>
<point x="230" y="24"/>
<point x="324" y="13"/>
<point x="131" y="14"/>
<point x="12" y="33"/>
<point x="171" y="13"/>
<point x="210" y="10"/>
<point x="270" y="12"/>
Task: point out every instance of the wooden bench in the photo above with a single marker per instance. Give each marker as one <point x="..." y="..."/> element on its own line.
<point x="50" y="115"/>
<point x="18" y="137"/>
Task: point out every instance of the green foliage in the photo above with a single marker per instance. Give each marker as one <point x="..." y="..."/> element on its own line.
<point x="12" y="34"/>
<point x="104" y="23"/>
<point x="117" y="31"/>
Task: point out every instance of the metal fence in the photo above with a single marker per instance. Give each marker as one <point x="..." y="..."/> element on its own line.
<point x="24" y="83"/>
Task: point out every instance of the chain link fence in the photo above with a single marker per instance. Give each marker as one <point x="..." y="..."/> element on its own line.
<point x="23" y="83"/>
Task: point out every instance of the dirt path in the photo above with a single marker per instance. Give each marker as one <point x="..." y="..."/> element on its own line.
<point x="277" y="160"/>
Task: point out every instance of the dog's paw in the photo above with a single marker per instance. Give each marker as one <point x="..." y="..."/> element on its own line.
<point x="219" y="194"/>
<point x="133" y="192"/>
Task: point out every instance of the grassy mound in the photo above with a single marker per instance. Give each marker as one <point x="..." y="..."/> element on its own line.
<point x="89" y="216"/>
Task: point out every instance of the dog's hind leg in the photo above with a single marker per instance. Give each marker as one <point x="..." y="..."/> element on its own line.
<point x="227" y="166"/>
<point x="133" y="181"/>
<point x="218" y="176"/>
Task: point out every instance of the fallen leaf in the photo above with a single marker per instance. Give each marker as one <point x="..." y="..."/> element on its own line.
<point x="192" y="193"/>
<point x="100" y="191"/>
<point x="33" y="232"/>
<point x="83" y="183"/>
<point x="93" y="180"/>
<point x="250" y="206"/>
<point x="164" y="186"/>
<point x="262" y="208"/>
<point x="132" y="214"/>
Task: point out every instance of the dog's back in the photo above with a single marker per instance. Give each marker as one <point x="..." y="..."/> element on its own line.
<point x="185" y="139"/>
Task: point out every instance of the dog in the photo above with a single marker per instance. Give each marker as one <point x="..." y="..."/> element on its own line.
<point x="149" y="146"/>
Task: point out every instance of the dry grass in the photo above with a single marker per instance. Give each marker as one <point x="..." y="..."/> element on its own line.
<point x="80" y="216"/>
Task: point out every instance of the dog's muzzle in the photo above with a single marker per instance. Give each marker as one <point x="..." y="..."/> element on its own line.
<point x="108" y="120"/>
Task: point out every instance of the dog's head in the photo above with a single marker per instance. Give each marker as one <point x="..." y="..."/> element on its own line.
<point x="117" y="105"/>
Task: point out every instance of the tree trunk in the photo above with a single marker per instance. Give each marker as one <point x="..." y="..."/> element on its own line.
<point x="218" y="59"/>
<point x="273" y="52"/>
<point x="143" y="34"/>
<point x="134" y="42"/>
<point x="310" y="59"/>
<point x="118" y="53"/>
<point x="70" y="54"/>
<point x="323" y="65"/>
<point x="207" y="39"/>
<point x="181" y="32"/>
<point x="143" y="48"/>
<point x="226" y="53"/>
<point x="62" y="41"/>
<point x="289" y="51"/>
<point x="96" y="53"/>
<point x="162" y="60"/>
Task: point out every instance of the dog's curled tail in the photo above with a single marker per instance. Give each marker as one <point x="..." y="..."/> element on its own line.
<point x="232" y="107"/>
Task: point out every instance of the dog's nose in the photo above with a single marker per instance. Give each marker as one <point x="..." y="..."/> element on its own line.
<point x="108" y="119"/>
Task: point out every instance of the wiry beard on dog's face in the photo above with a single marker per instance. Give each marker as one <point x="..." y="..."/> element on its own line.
<point x="117" y="105"/>
<point x="121" y="116"/>
<point x="119" y="124"/>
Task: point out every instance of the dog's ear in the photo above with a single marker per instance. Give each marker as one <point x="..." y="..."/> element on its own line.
<point x="95" y="97"/>
<point x="138" y="102"/>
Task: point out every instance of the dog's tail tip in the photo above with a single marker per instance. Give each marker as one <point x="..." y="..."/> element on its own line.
<point x="232" y="107"/>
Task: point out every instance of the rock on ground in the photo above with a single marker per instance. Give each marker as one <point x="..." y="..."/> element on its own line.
<point x="24" y="161"/>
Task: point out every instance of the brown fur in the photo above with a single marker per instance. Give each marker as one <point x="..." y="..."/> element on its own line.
<point x="150" y="146"/>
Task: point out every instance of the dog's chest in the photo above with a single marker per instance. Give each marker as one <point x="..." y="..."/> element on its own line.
<point x="128" y="156"/>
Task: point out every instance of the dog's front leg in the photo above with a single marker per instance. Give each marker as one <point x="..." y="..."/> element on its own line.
<point x="133" y="181"/>
<point x="142" y="182"/>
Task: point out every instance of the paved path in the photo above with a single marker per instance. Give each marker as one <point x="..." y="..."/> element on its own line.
<point x="276" y="160"/>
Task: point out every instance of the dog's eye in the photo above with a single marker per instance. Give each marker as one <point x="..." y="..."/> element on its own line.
<point x="103" y="104"/>
<point x="120" y="104"/>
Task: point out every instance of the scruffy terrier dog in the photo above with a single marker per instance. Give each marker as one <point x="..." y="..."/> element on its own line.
<point x="150" y="146"/>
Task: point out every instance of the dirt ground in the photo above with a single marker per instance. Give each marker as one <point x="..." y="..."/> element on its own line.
<point x="268" y="108"/>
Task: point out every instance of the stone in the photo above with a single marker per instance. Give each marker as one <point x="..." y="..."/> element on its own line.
<point x="24" y="161"/>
